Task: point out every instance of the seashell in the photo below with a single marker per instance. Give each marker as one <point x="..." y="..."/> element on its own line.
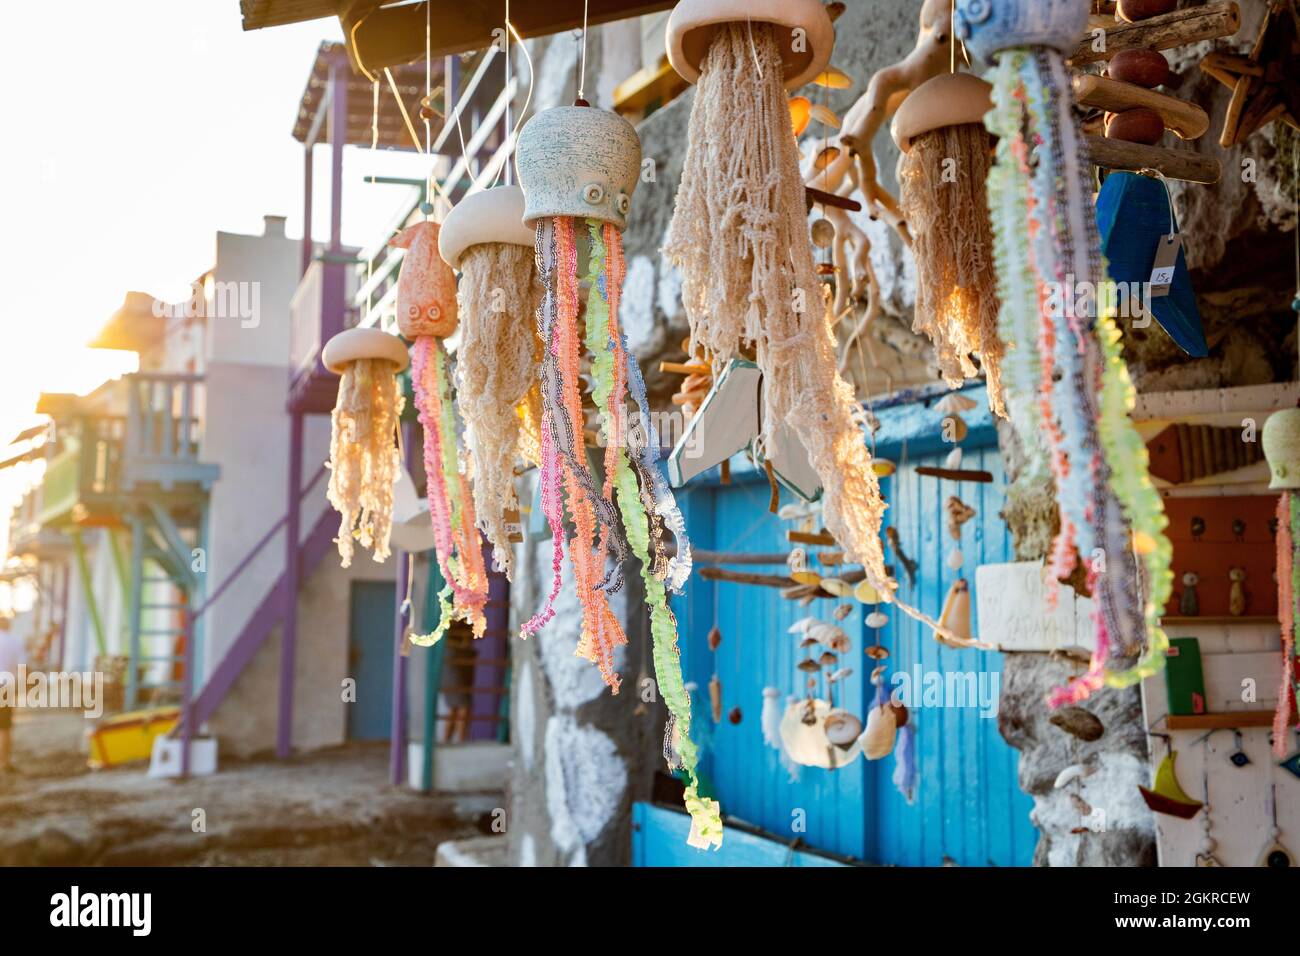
<point x="842" y="728"/>
<point x="882" y="728"/>
<point x="843" y="611"/>
<point x="808" y="666"/>
<point x="877" y="652"/>
<point x="953" y="461"/>
<point x="841" y="643"/>
<point x="803" y="735"/>
<point x="806" y="577"/>
<point x="800" y="113"/>
<point x="866" y="593"/>
<point x="837" y="586"/>
<point x="954" y="403"/>
<point x="900" y="714"/>
<point x="802" y="625"/>
<point x="734" y="715"/>
<point x="842" y="673"/>
<point x="825" y="115"/>
<point x="826" y="633"/>
<point x="955" y="559"/>
<point x="827" y="156"/>
<point x="955" y="428"/>
<point x="808" y="641"/>
<point x="883" y="467"/>
<point x="823" y="233"/>
<point x="833" y="79"/>
<point x="878" y="674"/>
<point x="877" y="619"/>
<point x="715" y="638"/>
<point x="828" y="659"/>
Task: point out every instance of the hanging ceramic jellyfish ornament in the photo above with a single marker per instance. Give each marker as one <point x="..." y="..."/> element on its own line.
<point x="364" y="460"/>
<point x="943" y="174"/>
<point x="739" y="234"/>
<point x="496" y="361"/>
<point x="579" y="167"/>
<point x="1281" y="441"/>
<point x="1067" y="390"/>
<point x="426" y="314"/>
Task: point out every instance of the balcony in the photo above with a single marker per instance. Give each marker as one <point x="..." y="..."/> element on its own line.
<point x="101" y="459"/>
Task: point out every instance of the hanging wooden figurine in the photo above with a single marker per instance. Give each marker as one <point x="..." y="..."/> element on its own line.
<point x="496" y="362"/>
<point x="1070" y="384"/>
<point x="739" y="234"/>
<point x="943" y="175"/>
<point x="426" y="314"/>
<point x="364" y="461"/>
<point x="578" y="167"/>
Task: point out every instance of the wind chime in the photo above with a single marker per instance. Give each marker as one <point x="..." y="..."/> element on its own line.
<point x="426" y="314"/>
<point x="579" y="167"/>
<point x="739" y="233"/>
<point x="496" y="362"/>
<point x="1068" y="391"/>
<point x="364" y="460"/>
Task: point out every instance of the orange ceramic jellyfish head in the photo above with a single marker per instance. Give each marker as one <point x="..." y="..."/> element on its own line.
<point x="426" y="287"/>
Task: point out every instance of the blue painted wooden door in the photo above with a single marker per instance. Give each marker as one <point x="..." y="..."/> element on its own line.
<point x="967" y="807"/>
<point x="370" y="656"/>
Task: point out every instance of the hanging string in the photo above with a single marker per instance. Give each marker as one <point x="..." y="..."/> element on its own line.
<point x="428" y="96"/>
<point x="582" y="76"/>
<point x="374" y="148"/>
<point x="952" y="38"/>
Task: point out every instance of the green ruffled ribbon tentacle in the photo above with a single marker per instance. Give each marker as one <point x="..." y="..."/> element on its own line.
<point x="706" y="815"/>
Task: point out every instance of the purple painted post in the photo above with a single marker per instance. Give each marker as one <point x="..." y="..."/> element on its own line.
<point x="65" y="575"/>
<point x="489" y="653"/>
<point x="187" y="692"/>
<point x="306" y="206"/>
<point x="339" y="72"/>
<point x="397" y="725"/>
<point x="289" y="631"/>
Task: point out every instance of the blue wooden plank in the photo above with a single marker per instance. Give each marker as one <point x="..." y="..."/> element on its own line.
<point x="659" y="839"/>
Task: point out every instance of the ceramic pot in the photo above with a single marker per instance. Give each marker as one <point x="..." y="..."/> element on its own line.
<point x="352" y="345"/>
<point x="494" y="215"/>
<point x="578" y="161"/>
<point x="988" y="27"/>
<point x="804" y="54"/>
<point x="1281" y="440"/>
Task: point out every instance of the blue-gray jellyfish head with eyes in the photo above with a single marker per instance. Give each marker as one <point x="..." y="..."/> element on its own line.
<point x="987" y="27"/>
<point x="578" y="161"/>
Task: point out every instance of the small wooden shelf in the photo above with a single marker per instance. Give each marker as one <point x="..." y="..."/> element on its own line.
<point x="1228" y="721"/>
<point x="1212" y="621"/>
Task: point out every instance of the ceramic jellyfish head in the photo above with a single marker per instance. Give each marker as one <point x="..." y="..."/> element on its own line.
<point x="988" y="27"/>
<point x="426" y="286"/>
<point x="802" y="29"/>
<point x="1281" y="441"/>
<point x="578" y="161"/>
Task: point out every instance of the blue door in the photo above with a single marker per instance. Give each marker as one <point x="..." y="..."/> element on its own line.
<point x="370" y="657"/>
<point x="967" y="807"/>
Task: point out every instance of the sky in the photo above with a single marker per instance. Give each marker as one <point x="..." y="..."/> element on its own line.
<point x="146" y="128"/>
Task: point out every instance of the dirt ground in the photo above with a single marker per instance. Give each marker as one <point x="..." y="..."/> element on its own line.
<point x="332" y="808"/>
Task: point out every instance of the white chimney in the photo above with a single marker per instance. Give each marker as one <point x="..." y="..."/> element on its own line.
<point x="273" y="226"/>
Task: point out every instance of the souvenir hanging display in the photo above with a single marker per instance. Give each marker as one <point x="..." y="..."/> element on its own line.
<point x="364" y="460"/>
<point x="1166" y="795"/>
<point x="578" y="167"/>
<point x="943" y="175"/>
<point x="739" y="234"/>
<point x="496" y="361"/>
<point x="1265" y="83"/>
<point x="426" y="314"/>
<point x="1068" y="381"/>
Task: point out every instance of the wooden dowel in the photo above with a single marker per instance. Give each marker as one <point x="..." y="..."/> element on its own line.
<point x="746" y="577"/>
<point x="803" y="537"/>
<point x="682" y="368"/>
<point x="1164" y="32"/>
<point x="1186" y="120"/>
<point x="956" y="474"/>
<point x="818" y="197"/>
<point x="1180" y="164"/>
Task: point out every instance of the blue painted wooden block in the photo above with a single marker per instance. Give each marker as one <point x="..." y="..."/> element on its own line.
<point x="659" y="839"/>
<point x="1133" y="215"/>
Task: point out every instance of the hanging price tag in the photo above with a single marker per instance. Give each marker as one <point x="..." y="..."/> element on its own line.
<point x="1162" y="272"/>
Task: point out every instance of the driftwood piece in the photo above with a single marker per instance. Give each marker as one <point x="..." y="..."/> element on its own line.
<point x="803" y="537"/>
<point x="957" y="474"/>
<point x="1182" y="164"/>
<point x="1164" y="32"/>
<point x="1186" y="120"/>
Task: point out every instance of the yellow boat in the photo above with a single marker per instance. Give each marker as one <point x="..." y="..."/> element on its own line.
<point x="125" y="738"/>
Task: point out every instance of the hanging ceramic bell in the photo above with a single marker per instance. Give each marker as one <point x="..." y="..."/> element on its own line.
<point x="363" y="452"/>
<point x="497" y="392"/>
<point x="943" y="173"/>
<point x="1281" y="440"/>
<point x="956" y="613"/>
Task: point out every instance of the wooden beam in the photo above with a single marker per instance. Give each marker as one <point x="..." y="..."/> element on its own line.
<point x="392" y="35"/>
<point x="1183" y="164"/>
<point x="1186" y="120"/>
<point x="1229" y="721"/>
<point x="1164" y="32"/>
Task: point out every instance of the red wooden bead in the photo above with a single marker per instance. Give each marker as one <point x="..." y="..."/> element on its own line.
<point x="1147" y="68"/>
<point x="1135" y="126"/>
